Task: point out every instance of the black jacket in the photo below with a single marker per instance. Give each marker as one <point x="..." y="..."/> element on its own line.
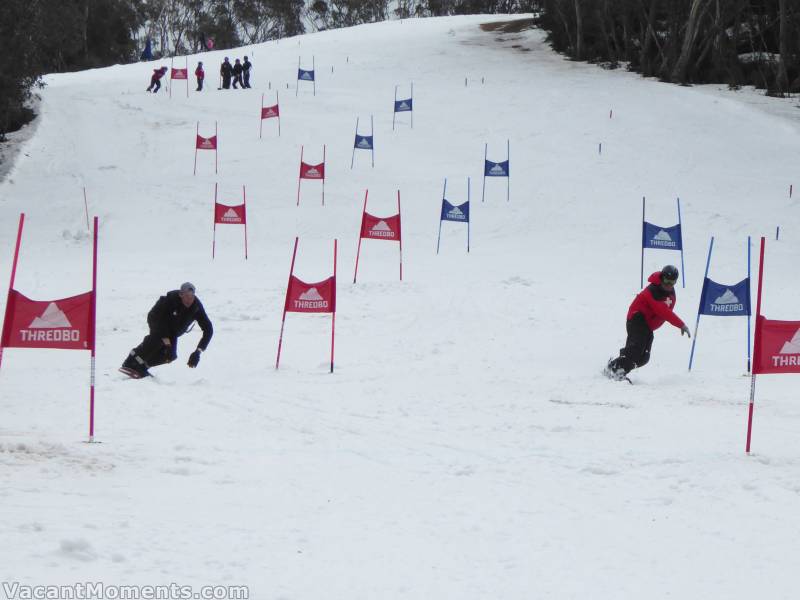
<point x="237" y="69"/>
<point x="246" y="66"/>
<point x="226" y="69"/>
<point x="170" y="318"/>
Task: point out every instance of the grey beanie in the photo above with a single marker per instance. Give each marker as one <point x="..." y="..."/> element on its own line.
<point x="187" y="287"/>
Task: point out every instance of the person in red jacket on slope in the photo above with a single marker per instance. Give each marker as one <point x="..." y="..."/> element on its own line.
<point x="649" y="310"/>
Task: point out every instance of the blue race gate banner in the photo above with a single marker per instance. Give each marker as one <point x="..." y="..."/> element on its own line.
<point x="405" y="105"/>
<point x="655" y="237"/>
<point x="305" y="75"/>
<point x="497" y="169"/>
<point x="493" y="169"/>
<point x="719" y="300"/>
<point x="662" y="238"/>
<point x="725" y="300"/>
<point x="456" y="213"/>
<point x="459" y="214"/>
<point x="364" y="142"/>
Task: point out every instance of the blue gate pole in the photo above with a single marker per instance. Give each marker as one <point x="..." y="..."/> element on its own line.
<point x="702" y="297"/>
<point x="352" y="158"/>
<point x="372" y="135"/>
<point x="468" y="214"/>
<point x="641" y="271"/>
<point x="412" y="105"/>
<point x="485" y="154"/>
<point x="748" y="304"/>
<point x="439" y="239"/>
<point x="394" y="107"/>
<point x="683" y="269"/>
<point x="508" y="173"/>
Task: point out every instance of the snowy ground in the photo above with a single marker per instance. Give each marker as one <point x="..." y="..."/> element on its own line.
<point x="466" y="446"/>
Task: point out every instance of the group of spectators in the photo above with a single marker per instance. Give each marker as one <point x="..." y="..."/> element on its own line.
<point x="237" y="73"/>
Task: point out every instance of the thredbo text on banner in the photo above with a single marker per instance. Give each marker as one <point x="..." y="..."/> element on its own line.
<point x="662" y="238"/>
<point x="206" y="143"/>
<point x="456" y="213"/>
<point x="62" y="324"/>
<point x="380" y="228"/>
<point x="226" y="214"/>
<point x="719" y="300"/>
<point x="302" y="297"/>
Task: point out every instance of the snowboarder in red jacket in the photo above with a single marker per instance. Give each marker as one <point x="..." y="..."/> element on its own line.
<point x="649" y="310"/>
<point x="200" y="74"/>
<point x="155" y="80"/>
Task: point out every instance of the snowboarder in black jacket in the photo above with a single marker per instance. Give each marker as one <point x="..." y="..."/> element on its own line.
<point x="225" y="71"/>
<point x="237" y="75"/>
<point x="169" y="318"/>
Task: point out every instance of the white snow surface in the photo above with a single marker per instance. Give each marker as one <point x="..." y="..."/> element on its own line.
<point x="467" y="446"/>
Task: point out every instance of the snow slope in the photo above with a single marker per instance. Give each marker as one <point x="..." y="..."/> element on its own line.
<point x="466" y="446"/>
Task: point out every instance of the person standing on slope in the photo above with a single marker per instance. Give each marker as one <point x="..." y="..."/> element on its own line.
<point x="200" y="75"/>
<point x="226" y="70"/>
<point x="246" y="66"/>
<point x="654" y="305"/>
<point x="169" y="318"/>
<point x="237" y="75"/>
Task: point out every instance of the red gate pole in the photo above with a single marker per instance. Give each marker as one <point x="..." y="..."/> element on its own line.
<point x="92" y="333"/>
<point x="757" y="347"/>
<point x="261" y="117"/>
<point x="196" y="134"/>
<point x="400" y="233"/>
<point x="11" y="283"/>
<point x="171" y="65"/>
<point x="333" y="319"/>
<point x="283" y="320"/>
<point x="187" y="76"/>
<point x="216" y="147"/>
<point x="214" y="219"/>
<point x="244" y="202"/>
<point x="278" y="104"/>
<point x="323" y="174"/>
<point x="360" y="231"/>
<point x="300" y="176"/>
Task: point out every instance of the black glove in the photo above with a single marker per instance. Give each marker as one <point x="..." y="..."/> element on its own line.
<point x="685" y="330"/>
<point x="194" y="359"/>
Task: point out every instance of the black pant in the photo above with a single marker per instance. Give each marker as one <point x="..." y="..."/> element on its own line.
<point x="636" y="352"/>
<point x="237" y="79"/>
<point x="226" y="81"/>
<point x="154" y="351"/>
<point x="246" y="76"/>
<point x="154" y="86"/>
<point x="199" y="84"/>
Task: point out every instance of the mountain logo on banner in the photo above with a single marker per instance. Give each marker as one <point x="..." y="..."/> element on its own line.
<point x="789" y="354"/>
<point x="306" y="75"/>
<point x="403" y="105"/>
<point x="381" y="229"/>
<point x="52" y="326"/>
<point x="310" y="299"/>
<point x="364" y="143"/>
<point x="727" y="302"/>
<point x="270" y="112"/>
<point x="206" y="143"/>
<point x="231" y="216"/>
<point x="313" y="172"/>
<point x="662" y="238"/>
<point x="456" y="214"/>
<point x="793" y="345"/>
<point x="497" y="170"/>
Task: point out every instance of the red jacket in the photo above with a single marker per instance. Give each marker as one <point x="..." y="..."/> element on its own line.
<point x="655" y="304"/>
<point x="199" y="73"/>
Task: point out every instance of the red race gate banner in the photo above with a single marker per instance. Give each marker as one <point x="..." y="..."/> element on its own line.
<point x="776" y="348"/>
<point x="308" y="171"/>
<point x="178" y="74"/>
<point x="380" y="228"/>
<point x="63" y="324"/>
<point x="302" y="297"/>
<point x="225" y="214"/>
<point x="206" y="143"/>
<point x="270" y="112"/>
